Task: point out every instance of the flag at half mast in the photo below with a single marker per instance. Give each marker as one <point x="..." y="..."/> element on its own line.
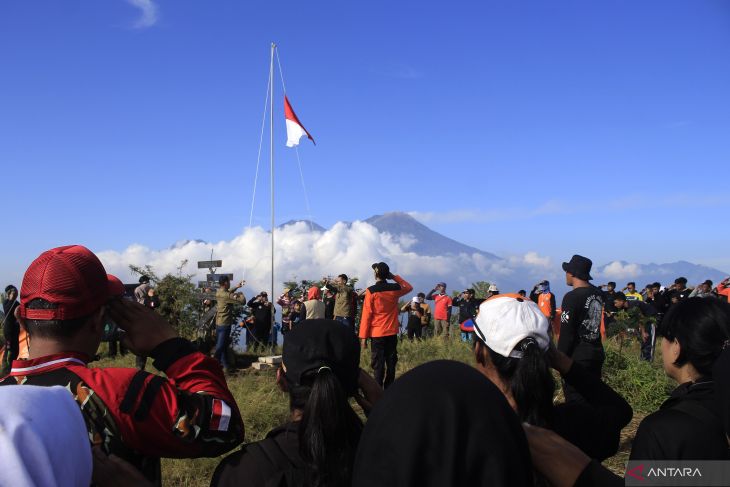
<point x="294" y="128"/>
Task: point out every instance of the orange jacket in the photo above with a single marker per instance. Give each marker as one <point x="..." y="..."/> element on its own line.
<point x="380" y="308"/>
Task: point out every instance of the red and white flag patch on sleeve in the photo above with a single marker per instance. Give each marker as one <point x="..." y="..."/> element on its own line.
<point x="221" y="416"/>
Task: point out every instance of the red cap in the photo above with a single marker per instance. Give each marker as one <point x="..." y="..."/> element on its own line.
<point x="116" y="287"/>
<point x="71" y="277"/>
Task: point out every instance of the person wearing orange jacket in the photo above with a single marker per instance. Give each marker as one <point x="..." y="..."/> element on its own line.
<point x="379" y="322"/>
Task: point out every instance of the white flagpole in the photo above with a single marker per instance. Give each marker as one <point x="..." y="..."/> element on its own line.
<point x="271" y="160"/>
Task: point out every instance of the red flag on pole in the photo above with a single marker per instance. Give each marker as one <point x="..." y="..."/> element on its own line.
<point x="294" y="128"/>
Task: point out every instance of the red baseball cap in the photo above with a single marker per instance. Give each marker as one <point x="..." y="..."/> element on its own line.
<point x="71" y="277"/>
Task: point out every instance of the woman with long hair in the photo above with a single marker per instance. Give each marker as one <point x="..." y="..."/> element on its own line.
<point x="316" y="448"/>
<point x="513" y="349"/>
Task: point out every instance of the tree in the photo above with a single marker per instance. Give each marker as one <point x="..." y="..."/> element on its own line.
<point x="179" y="300"/>
<point x="481" y="289"/>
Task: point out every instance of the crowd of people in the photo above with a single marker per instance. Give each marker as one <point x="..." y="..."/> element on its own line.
<point x="443" y="423"/>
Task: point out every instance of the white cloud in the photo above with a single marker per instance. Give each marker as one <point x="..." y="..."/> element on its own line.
<point x="148" y="13"/>
<point x="621" y="270"/>
<point x="349" y="249"/>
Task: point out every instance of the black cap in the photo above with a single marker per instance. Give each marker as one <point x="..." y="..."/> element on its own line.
<point x="314" y="344"/>
<point x="579" y="266"/>
<point x="382" y="269"/>
<point x="619" y="296"/>
<point x="144" y="279"/>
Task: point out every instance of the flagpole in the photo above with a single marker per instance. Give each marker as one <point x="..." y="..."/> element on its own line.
<point x="271" y="163"/>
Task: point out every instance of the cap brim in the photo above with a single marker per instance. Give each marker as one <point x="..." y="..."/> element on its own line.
<point x="115" y="288"/>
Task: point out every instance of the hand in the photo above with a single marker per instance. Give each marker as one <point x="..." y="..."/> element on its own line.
<point x="371" y="392"/>
<point x="112" y="471"/>
<point x="240" y="284"/>
<point x="559" y="461"/>
<point x="558" y="360"/>
<point x="144" y="328"/>
<point x="363" y="343"/>
<point x="644" y="335"/>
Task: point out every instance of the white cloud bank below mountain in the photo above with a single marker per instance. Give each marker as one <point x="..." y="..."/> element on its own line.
<point x="350" y="249"/>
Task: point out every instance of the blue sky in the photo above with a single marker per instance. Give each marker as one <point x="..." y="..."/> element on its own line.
<point x="558" y="127"/>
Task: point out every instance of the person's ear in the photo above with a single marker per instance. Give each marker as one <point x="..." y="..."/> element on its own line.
<point x="96" y="322"/>
<point x="675" y="348"/>
<point x="480" y="353"/>
<point x="20" y="320"/>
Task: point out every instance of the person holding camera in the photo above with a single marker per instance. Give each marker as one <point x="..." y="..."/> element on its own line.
<point x="379" y="322"/>
<point x="414" y="327"/>
<point x="65" y="299"/>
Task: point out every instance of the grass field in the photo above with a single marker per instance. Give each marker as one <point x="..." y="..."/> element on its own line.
<point x="264" y="407"/>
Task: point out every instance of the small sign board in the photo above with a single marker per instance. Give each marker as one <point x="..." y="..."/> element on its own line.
<point x="216" y="277"/>
<point x="207" y="264"/>
<point x="210" y="284"/>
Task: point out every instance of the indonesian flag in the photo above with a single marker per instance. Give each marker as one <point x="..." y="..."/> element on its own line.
<point x="294" y="128"/>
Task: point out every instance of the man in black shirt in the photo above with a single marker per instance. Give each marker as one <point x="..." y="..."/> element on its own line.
<point x="261" y="310"/>
<point x="679" y="291"/>
<point x="580" y="321"/>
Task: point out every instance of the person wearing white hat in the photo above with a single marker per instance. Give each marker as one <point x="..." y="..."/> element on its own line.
<point x="512" y="349"/>
<point x="492" y="291"/>
<point x="414" y="327"/>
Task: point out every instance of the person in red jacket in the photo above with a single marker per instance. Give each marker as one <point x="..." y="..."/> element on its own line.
<point x="66" y="300"/>
<point x="379" y="322"/>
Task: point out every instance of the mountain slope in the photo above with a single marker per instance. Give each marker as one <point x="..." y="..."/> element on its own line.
<point x="427" y="241"/>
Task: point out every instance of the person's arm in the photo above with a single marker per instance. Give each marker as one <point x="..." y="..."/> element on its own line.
<point x="303" y="312"/>
<point x="533" y="295"/>
<point x="405" y="287"/>
<point x="568" y="326"/>
<point x="646" y="445"/>
<point x="694" y="292"/>
<point x="405" y="307"/>
<point x="188" y="413"/>
<point x="252" y="301"/>
<point x="429" y="296"/>
<point x="609" y="411"/>
<point x="366" y="317"/>
<point x="552" y="307"/>
<point x="564" y="464"/>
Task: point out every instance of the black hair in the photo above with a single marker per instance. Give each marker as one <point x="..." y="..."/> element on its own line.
<point x="144" y="279"/>
<point x="701" y="326"/>
<point x="522" y="292"/>
<point x="343" y="276"/>
<point x="9" y="288"/>
<point x="530" y="381"/>
<point x="680" y="280"/>
<point x="421" y="295"/>
<point x="58" y="329"/>
<point x="630" y="283"/>
<point x="656" y="284"/>
<point x="329" y="430"/>
<point x="223" y="279"/>
<point x="612" y="284"/>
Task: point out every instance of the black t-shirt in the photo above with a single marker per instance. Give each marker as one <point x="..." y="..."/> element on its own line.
<point x="580" y="321"/>
<point x="273" y="461"/>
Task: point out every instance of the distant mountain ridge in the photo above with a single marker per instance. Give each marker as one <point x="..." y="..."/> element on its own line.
<point x="511" y="275"/>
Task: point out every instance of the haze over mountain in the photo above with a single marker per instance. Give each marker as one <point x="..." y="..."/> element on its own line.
<point x="306" y="250"/>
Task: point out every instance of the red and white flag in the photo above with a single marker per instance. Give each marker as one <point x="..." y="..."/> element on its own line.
<point x="294" y="128"/>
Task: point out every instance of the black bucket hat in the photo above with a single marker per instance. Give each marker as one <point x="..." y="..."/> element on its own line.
<point x="579" y="266"/>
